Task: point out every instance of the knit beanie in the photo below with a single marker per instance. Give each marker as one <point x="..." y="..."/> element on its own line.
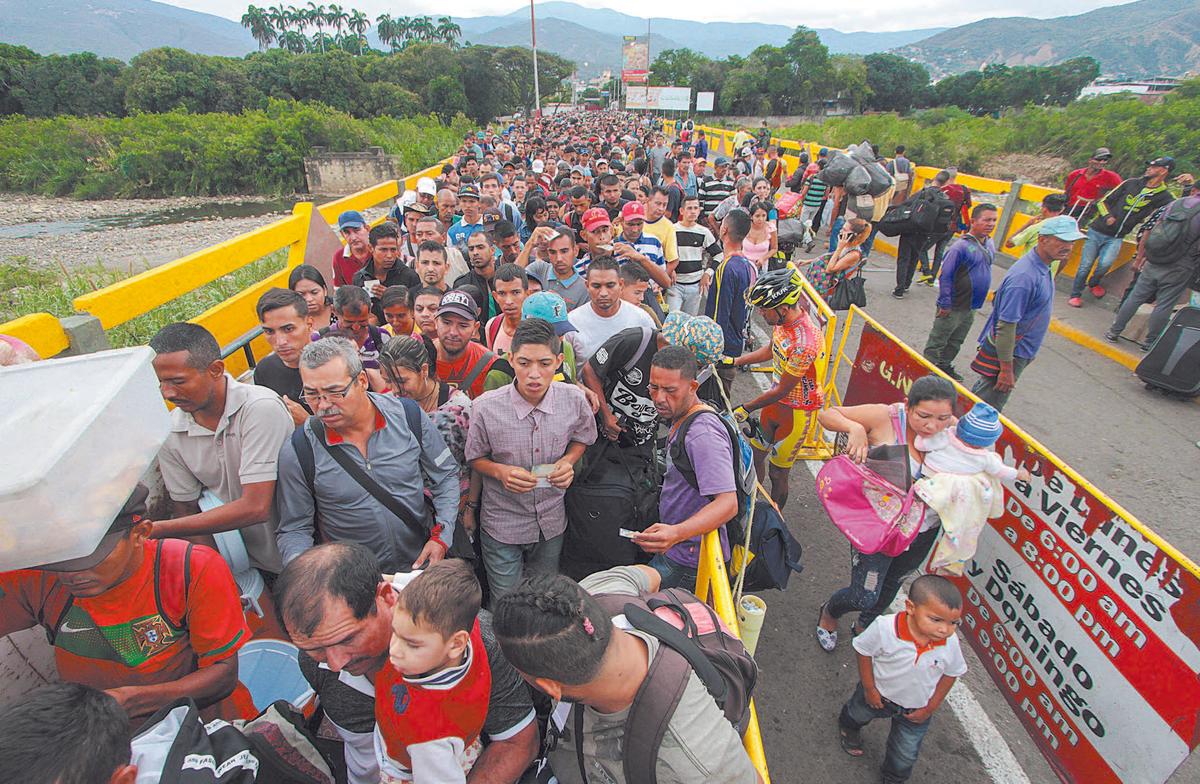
<point x="980" y="427"/>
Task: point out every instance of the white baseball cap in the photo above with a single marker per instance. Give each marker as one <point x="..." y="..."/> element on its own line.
<point x="427" y="186"/>
<point x="538" y="165"/>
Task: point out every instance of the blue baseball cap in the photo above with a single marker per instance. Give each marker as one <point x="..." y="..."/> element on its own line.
<point x="1062" y="226"/>
<point x="351" y="219"/>
<point x="550" y="307"/>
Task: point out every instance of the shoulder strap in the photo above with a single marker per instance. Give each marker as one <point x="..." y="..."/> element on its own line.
<point x="172" y="557"/>
<point x="412" y="416"/>
<point x="480" y="365"/>
<point x="647" y="333"/>
<point x="304" y="456"/>
<point x="364" y="479"/>
<point x="494" y="329"/>
<point x="658" y="697"/>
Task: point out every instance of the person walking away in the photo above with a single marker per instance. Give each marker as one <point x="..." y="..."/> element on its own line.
<point x="907" y="664"/>
<point x="875" y="578"/>
<point x="1084" y="187"/>
<point x="1117" y="214"/>
<point x="1020" y="315"/>
<point x="960" y="196"/>
<point x="901" y="169"/>
<point x="963" y="286"/>
<point x="698" y="252"/>
<point x="688" y="509"/>
<point x="913" y="246"/>
<point x="1171" y="253"/>
<point x="525" y="440"/>
<point x="795" y="345"/>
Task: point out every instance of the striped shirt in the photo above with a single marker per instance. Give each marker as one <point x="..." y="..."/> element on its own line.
<point x="816" y="192"/>
<point x="648" y="246"/>
<point x="695" y="242"/>
<point x="712" y="192"/>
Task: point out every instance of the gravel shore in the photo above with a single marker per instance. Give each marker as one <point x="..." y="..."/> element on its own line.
<point x="70" y="232"/>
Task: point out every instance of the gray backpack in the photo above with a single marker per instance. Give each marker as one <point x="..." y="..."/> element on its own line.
<point x="1175" y="233"/>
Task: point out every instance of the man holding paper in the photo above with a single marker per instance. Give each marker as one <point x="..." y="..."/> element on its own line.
<point x="524" y="440"/>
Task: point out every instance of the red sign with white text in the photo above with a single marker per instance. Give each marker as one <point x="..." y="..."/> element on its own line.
<point x="1089" y="629"/>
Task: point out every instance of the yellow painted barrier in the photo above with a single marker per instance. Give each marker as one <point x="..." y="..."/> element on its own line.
<point x="712" y="585"/>
<point x="135" y="296"/>
<point x="41" y="331"/>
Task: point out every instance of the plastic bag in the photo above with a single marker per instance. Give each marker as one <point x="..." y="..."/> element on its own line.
<point x="858" y="181"/>
<point x="835" y="172"/>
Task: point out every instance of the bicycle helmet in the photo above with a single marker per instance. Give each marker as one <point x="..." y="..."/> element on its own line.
<point x="775" y="288"/>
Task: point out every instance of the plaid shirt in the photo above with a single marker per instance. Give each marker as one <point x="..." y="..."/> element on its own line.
<point x="506" y="429"/>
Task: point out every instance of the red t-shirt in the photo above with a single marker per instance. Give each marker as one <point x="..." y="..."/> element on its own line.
<point x="1081" y="188"/>
<point x="345" y="266"/>
<point x="451" y="703"/>
<point x="121" y="638"/>
<point x="453" y="373"/>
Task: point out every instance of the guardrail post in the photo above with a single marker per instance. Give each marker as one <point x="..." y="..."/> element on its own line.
<point x="1011" y="202"/>
<point x="85" y="334"/>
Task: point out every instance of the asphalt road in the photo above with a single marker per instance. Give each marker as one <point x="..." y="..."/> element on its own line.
<point x="1135" y="445"/>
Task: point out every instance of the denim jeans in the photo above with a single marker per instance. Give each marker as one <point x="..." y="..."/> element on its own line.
<point x="506" y="563"/>
<point x="875" y="579"/>
<point x="685" y="297"/>
<point x="1100" y="249"/>
<point x="674" y="574"/>
<point x="834" y="230"/>
<point x="904" y="739"/>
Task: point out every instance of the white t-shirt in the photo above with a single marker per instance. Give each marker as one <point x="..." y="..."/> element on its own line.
<point x="903" y="674"/>
<point x="594" y="329"/>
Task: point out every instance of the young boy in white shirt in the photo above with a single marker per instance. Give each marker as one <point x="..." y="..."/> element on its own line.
<point x="907" y="663"/>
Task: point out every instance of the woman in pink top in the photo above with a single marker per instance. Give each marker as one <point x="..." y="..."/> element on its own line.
<point x="762" y="242"/>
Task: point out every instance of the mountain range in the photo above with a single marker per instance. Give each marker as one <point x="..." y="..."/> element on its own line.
<point x="1140" y="39"/>
<point x="1137" y="39"/>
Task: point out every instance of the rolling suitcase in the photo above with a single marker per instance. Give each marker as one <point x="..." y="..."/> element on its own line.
<point x="1173" y="363"/>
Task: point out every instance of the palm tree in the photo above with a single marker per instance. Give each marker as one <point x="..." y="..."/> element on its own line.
<point x="359" y="23"/>
<point x="297" y="19"/>
<point x="385" y="28"/>
<point x="447" y="30"/>
<point x="258" y="22"/>
<point x="294" y="41"/>
<point x="280" y="20"/>
<point x="337" y="17"/>
<point x="316" y="17"/>
<point x="404" y="30"/>
<point x="321" y="40"/>
<point x="423" y="29"/>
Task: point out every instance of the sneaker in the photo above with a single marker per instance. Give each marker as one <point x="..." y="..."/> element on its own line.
<point x="1075" y="302"/>
<point x="927" y="279"/>
<point x="1099" y="291"/>
<point x="1111" y="337"/>
<point x="898" y="293"/>
<point x="952" y="373"/>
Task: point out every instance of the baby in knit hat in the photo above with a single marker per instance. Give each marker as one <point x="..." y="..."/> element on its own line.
<point x="961" y="480"/>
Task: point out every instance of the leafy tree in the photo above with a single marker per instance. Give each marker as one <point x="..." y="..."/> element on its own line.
<point x="359" y="24"/>
<point x="13" y="62"/>
<point x="79" y="84"/>
<point x="897" y="84"/>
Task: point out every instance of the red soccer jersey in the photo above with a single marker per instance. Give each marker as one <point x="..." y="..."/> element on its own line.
<point x="122" y="637"/>
<point x="1081" y="188"/>
<point x="454" y="373"/>
<point x="451" y="703"/>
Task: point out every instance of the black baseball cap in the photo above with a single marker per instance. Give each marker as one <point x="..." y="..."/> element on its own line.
<point x="132" y="513"/>
<point x="1166" y="161"/>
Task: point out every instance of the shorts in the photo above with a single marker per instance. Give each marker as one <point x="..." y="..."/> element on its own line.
<point x="786" y="427"/>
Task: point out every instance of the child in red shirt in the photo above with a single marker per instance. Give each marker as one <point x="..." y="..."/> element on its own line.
<point x="432" y="695"/>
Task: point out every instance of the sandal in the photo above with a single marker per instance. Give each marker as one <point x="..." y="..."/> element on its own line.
<point x="825" y="638"/>
<point x="851" y="741"/>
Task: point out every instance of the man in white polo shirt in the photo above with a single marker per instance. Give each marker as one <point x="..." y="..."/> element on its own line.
<point x="907" y="663"/>
<point x="605" y="314"/>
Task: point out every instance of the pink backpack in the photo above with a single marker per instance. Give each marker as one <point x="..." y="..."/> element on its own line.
<point x="874" y="514"/>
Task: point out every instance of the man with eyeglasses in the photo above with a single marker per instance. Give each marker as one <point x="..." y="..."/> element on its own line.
<point x="319" y="499"/>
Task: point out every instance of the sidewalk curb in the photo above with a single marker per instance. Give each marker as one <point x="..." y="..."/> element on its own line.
<point x="1089" y="341"/>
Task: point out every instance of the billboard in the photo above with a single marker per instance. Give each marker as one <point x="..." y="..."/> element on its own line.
<point x="635" y="60"/>
<point x="1088" y="623"/>
<point x="675" y="99"/>
<point x="704" y="101"/>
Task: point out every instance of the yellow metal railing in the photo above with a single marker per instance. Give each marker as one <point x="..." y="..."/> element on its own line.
<point x="712" y="585"/>
<point x="991" y="190"/>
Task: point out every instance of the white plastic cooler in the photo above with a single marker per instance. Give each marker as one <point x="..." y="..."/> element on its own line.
<point x="76" y="435"/>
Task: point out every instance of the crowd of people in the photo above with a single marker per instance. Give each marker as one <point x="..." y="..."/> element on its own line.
<point x="400" y="473"/>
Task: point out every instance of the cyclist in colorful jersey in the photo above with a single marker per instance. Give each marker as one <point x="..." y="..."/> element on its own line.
<point x="786" y="407"/>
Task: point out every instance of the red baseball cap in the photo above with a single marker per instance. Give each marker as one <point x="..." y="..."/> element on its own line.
<point x="633" y="211"/>
<point x="595" y="218"/>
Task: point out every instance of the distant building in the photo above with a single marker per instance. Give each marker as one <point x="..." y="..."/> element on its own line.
<point x="1147" y="90"/>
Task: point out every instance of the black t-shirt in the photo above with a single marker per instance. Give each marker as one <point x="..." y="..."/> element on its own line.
<point x="628" y="390"/>
<point x="270" y="372"/>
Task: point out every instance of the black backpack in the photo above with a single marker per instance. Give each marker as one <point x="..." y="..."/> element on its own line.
<point x="1175" y="233"/>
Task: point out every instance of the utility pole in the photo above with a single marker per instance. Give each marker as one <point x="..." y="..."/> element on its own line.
<point x="537" y="93"/>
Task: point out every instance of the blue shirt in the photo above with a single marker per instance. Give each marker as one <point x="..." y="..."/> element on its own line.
<point x="971" y="261"/>
<point x="647" y="245"/>
<point x="727" y="301"/>
<point x="1025" y="298"/>
<point x="702" y="148"/>
<point x="461" y="231"/>
<point x="688" y="181"/>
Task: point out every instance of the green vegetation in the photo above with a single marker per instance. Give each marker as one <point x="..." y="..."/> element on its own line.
<point x="422" y="77"/>
<point x="1134" y="131"/>
<point x="28" y="288"/>
<point x="801" y="77"/>
<point x="180" y="154"/>
<point x="285" y="26"/>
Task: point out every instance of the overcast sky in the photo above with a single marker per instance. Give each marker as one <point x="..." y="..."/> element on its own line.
<point x="872" y="15"/>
